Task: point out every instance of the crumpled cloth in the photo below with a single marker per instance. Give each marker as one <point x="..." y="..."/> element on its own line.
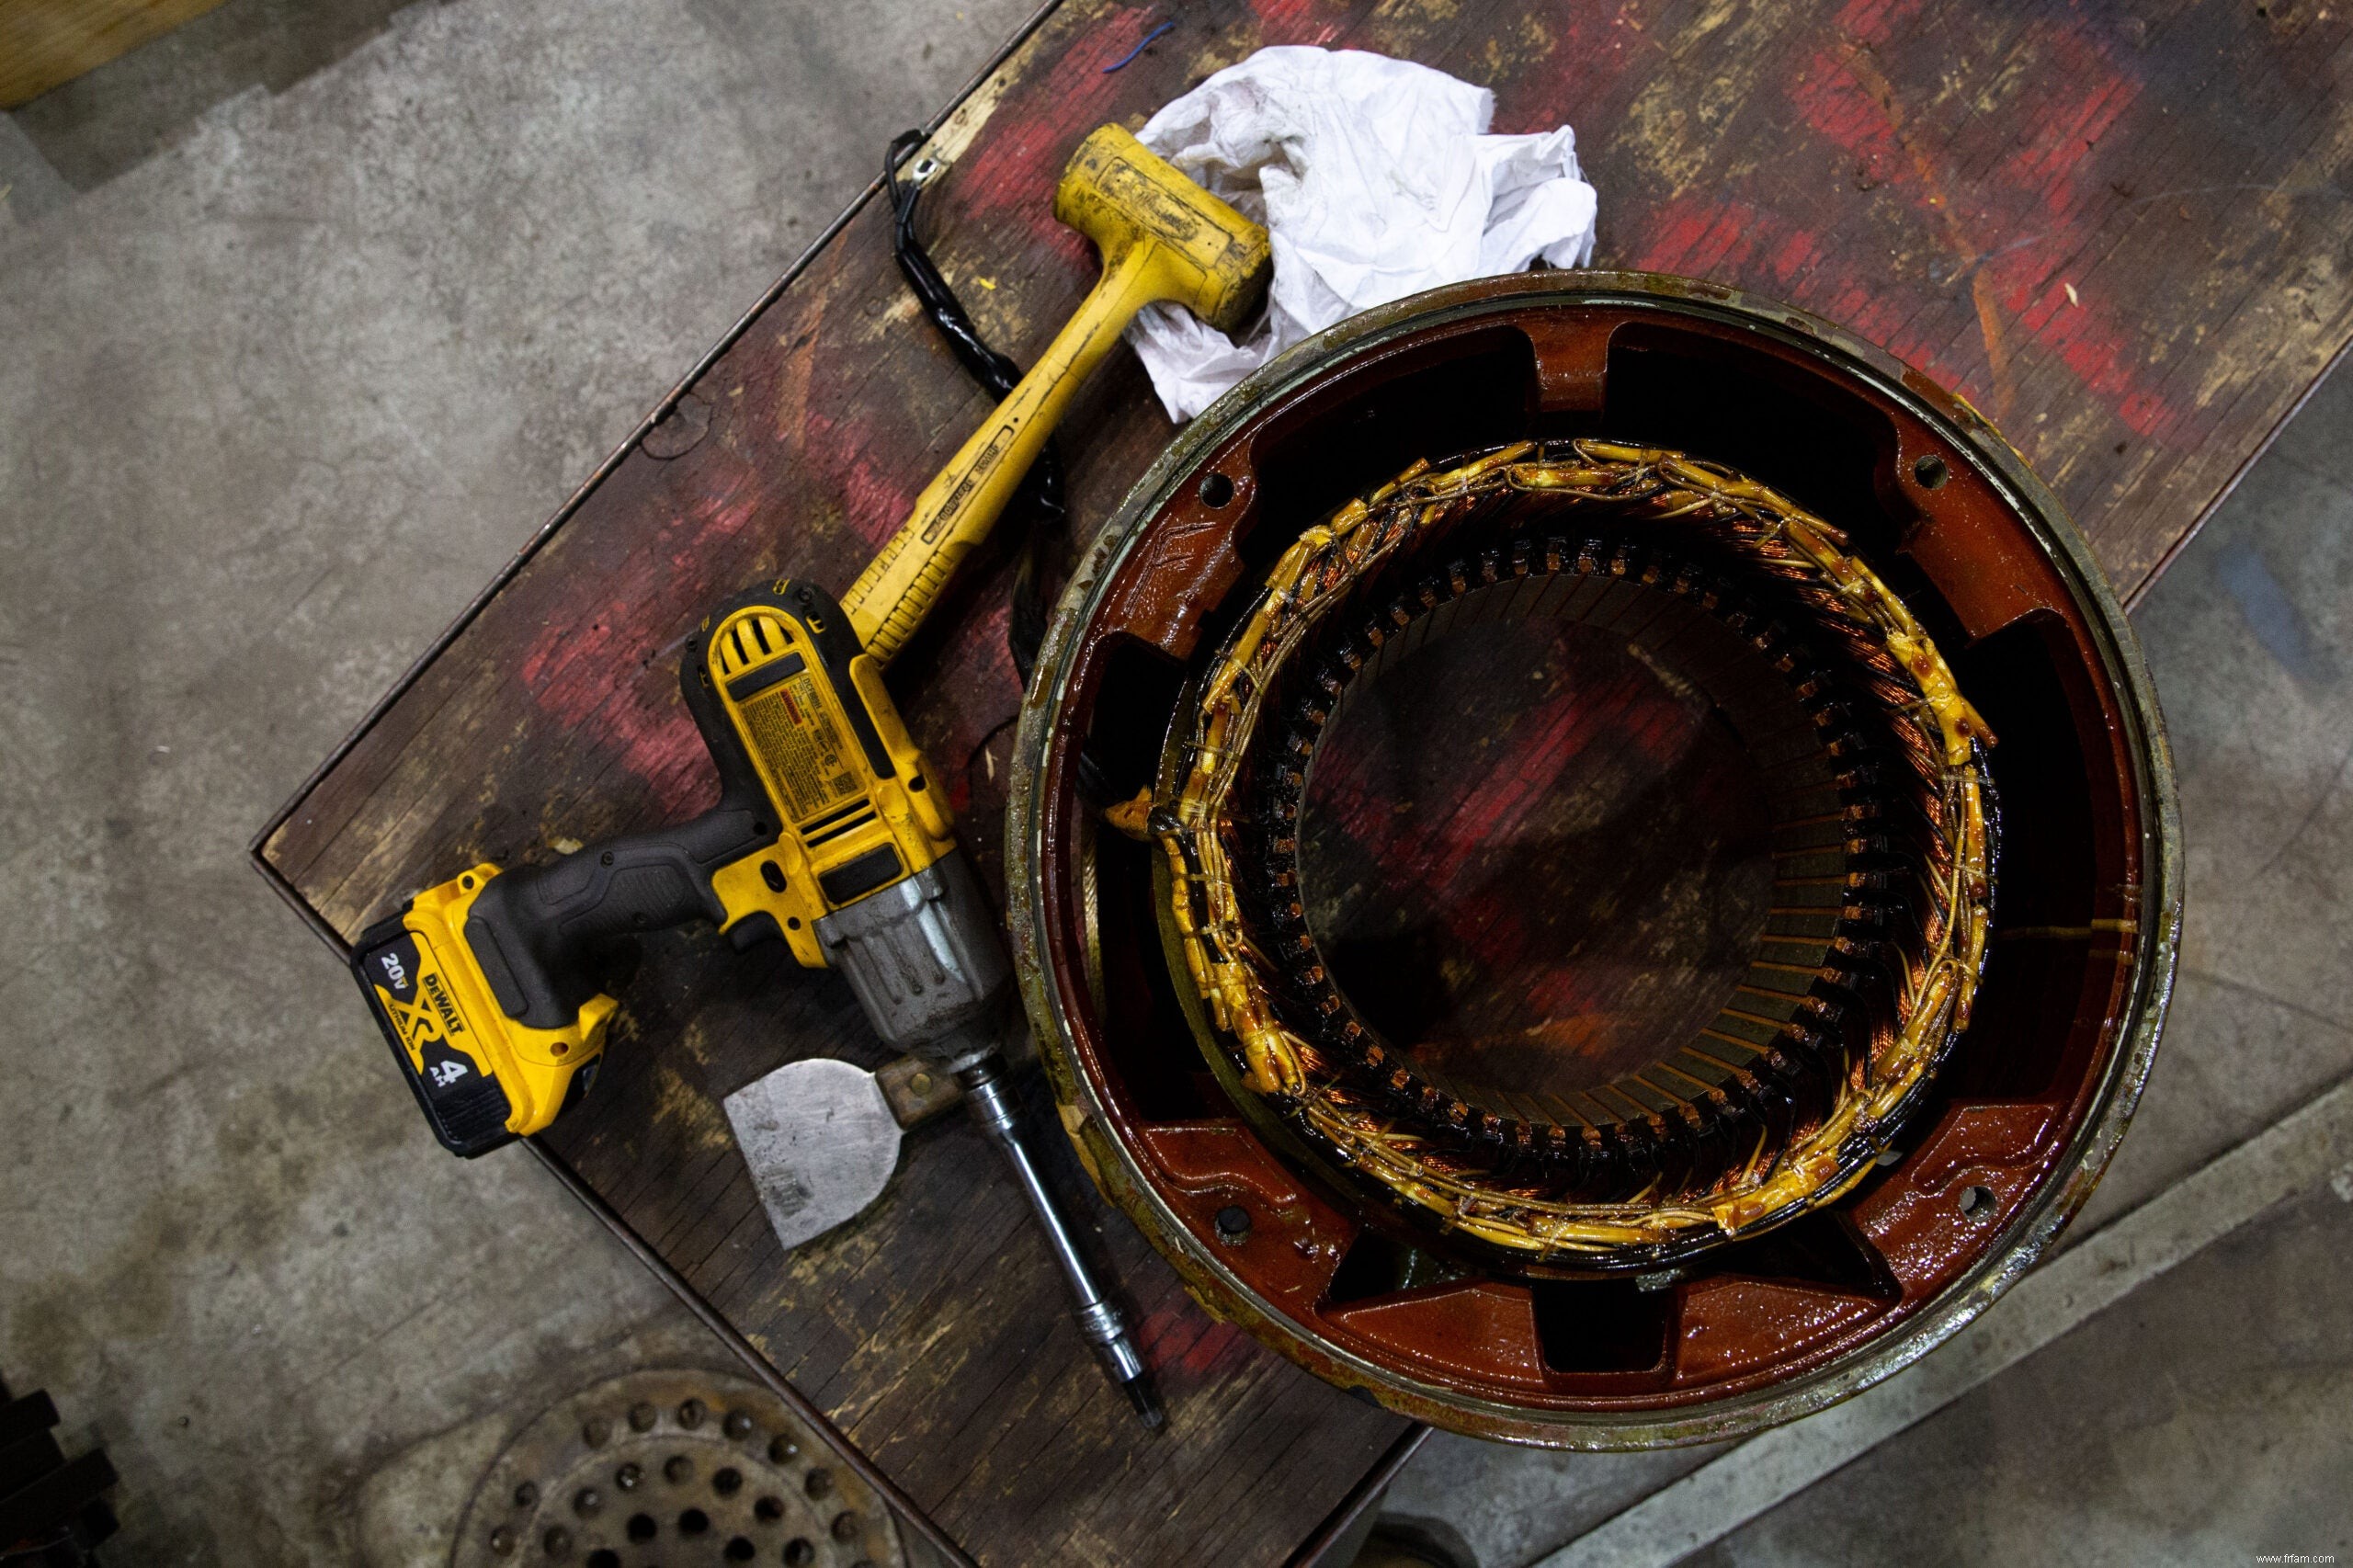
<point x="1375" y="178"/>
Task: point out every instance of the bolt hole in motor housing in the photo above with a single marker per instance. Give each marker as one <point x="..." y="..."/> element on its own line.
<point x="1550" y="797"/>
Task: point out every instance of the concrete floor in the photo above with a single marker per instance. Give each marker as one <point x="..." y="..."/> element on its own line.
<point x="284" y="378"/>
<point x="309" y="314"/>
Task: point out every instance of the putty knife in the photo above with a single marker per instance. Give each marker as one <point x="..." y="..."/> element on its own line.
<point x="822" y="1136"/>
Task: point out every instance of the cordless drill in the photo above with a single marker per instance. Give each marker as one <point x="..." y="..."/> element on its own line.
<point x="830" y="833"/>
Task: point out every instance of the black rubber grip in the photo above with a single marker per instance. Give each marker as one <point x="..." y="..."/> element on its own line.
<point x="535" y="931"/>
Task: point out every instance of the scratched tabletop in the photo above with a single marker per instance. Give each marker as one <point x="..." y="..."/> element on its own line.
<point x="2123" y="237"/>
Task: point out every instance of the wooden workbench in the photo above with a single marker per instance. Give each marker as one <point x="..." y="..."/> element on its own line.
<point x="2123" y="238"/>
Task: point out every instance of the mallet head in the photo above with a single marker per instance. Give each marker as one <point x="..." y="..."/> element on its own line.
<point x="1119" y="195"/>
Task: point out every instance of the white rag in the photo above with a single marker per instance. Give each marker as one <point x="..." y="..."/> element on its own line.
<point x="1375" y="178"/>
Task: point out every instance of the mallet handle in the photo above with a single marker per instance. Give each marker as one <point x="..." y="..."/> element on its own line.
<point x="957" y="509"/>
<point x="1162" y="237"/>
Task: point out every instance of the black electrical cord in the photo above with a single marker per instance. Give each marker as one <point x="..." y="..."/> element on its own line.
<point x="1040" y="502"/>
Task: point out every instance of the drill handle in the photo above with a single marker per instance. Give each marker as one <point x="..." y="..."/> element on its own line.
<point x="536" y="931"/>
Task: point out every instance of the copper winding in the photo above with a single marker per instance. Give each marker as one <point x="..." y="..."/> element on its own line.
<point x="1886" y="654"/>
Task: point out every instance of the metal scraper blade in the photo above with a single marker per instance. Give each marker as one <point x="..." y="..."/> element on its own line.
<point x="821" y="1140"/>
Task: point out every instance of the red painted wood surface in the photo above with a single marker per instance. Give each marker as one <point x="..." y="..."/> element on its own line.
<point x="2122" y="237"/>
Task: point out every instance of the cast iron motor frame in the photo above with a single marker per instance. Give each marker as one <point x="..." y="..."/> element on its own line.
<point x="1964" y="530"/>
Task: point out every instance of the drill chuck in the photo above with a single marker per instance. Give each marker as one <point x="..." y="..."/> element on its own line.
<point x="927" y="962"/>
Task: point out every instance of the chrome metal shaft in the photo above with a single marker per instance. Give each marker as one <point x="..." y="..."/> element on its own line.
<point x="931" y="972"/>
<point x="1099" y="1319"/>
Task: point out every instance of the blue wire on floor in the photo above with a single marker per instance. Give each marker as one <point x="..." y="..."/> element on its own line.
<point x="1139" y="49"/>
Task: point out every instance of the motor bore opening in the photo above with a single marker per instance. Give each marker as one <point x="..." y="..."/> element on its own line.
<point x="1532" y="851"/>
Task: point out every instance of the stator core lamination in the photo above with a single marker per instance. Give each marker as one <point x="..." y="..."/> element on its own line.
<point x="1873" y="763"/>
<point x="1686" y="1103"/>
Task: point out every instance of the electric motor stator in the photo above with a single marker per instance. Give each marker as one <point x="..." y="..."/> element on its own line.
<point x="1595" y="859"/>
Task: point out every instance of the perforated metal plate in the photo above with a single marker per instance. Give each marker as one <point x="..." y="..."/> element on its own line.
<point x="670" y="1469"/>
